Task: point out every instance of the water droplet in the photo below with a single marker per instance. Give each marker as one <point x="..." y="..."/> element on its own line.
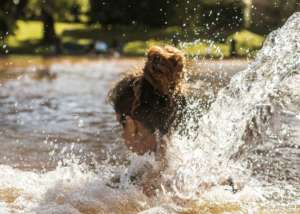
<point x="80" y="123"/>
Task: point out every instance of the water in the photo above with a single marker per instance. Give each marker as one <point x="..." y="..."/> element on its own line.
<point x="251" y="133"/>
<point x="61" y="146"/>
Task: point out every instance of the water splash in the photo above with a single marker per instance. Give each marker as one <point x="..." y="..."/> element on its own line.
<point x="251" y="133"/>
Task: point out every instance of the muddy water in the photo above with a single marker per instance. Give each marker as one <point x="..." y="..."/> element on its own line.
<point x="54" y="113"/>
<point x="43" y="117"/>
<point x="53" y="107"/>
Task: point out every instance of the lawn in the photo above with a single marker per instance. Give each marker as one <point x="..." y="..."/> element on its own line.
<point x="247" y="44"/>
<point x="133" y="41"/>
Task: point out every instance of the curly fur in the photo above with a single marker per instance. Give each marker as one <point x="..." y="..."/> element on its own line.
<point x="164" y="70"/>
<point x="160" y="81"/>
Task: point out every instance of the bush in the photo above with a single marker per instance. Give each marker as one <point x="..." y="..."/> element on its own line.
<point x="268" y="15"/>
<point x="247" y="43"/>
<point x="139" y="48"/>
<point x="206" y="49"/>
<point x="153" y="13"/>
<point x="221" y="18"/>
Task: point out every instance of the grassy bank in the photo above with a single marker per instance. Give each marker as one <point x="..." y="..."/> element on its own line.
<point x="133" y="41"/>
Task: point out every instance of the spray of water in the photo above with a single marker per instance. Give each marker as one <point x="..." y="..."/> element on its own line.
<point x="251" y="132"/>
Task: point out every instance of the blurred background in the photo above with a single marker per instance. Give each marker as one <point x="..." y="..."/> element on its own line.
<point x="204" y="28"/>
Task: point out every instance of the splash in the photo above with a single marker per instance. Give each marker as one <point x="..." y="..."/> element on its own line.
<point x="251" y="133"/>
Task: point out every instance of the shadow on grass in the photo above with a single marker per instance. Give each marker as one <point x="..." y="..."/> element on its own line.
<point x="123" y="34"/>
<point x="135" y="40"/>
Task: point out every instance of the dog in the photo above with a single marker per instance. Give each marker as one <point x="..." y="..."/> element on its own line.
<point x="164" y="69"/>
<point x="148" y="104"/>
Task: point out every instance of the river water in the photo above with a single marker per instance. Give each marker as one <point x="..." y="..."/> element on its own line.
<point x="61" y="146"/>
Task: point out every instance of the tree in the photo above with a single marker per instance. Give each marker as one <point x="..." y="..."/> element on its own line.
<point x="212" y="19"/>
<point x="267" y="15"/>
<point x="10" y="11"/>
<point x="50" y="11"/>
<point x="153" y="13"/>
<point x="47" y="11"/>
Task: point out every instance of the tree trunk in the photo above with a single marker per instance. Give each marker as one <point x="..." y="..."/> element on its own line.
<point x="49" y="35"/>
<point x="9" y="14"/>
<point x="20" y="8"/>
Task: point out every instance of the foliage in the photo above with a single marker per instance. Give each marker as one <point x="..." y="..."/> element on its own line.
<point x="62" y="10"/>
<point x="206" y="49"/>
<point x="247" y="45"/>
<point x="220" y="20"/>
<point x="153" y="13"/>
<point x="140" y="47"/>
<point x="267" y="15"/>
<point x="247" y="42"/>
<point x="29" y="33"/>
<point x="50" y="11"/>
<point x="136" y="24"/>
<point x="212" y="19"/>
<point x="10" y="11"/>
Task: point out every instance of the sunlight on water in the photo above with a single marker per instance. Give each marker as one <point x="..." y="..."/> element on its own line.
<point x="239" y="155"/>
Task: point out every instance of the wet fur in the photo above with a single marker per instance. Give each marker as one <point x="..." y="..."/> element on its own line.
<point x="161" y="78"/>
<point x="164" y="70"/>
<point x="137" y="95"/>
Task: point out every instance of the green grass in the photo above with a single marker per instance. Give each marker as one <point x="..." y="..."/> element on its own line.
<point x="134" y="40"/>
<point x="140" y="47"/>
<point x="28" y="35"/>
<point x="248" y="43"/>
<point x="33" y="31"/>
<point x="214" y="50"/>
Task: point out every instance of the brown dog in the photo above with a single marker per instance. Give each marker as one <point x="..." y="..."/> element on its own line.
<point x="148" y="103"/>
<point x="164" y="69"/>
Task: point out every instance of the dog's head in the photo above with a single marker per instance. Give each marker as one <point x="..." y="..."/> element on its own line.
<point x="164" y="68"/>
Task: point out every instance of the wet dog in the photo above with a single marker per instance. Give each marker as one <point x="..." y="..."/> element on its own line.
<point x="148" y="103"/>
<point x="164" y="69"/>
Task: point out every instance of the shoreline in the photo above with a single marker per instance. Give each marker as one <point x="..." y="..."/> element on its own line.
<point x="13" y="61"/>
